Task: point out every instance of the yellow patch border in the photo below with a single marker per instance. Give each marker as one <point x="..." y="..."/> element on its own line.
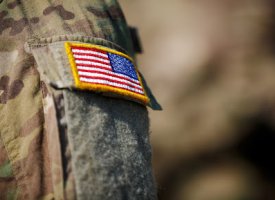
<point x="103" y="88"/>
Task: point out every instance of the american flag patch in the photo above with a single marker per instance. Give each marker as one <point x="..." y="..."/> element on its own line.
<point x="103" y="69"/>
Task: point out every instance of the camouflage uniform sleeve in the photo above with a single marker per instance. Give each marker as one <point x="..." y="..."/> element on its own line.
<point x="57" y="142"/>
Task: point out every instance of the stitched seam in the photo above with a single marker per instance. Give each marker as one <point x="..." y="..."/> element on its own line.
<point x="39" y="42"/>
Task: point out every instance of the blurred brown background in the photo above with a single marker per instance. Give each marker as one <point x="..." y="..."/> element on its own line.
<point x="211" y="65"/>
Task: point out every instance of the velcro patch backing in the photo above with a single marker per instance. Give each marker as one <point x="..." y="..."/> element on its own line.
<point x="102" y="69"/>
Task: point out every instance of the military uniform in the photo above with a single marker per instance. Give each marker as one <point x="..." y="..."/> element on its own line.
<point x="58" y="140"/>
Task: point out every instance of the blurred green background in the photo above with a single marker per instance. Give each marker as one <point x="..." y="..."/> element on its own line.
<point x="211" y="65"/>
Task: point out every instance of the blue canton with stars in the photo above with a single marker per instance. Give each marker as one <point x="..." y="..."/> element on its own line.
<point x="122" y="65"/>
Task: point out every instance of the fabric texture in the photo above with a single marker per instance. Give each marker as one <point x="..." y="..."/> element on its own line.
<point x="111" y="147"/>
<point x="58" y="143"/>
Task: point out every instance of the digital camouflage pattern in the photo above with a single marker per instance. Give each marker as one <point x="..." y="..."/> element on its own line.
<point x="39" y="158"/>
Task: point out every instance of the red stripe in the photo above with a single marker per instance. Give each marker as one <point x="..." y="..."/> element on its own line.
<point x="92" y="60"/>
<point x="86" y="54"/>
<point x="110" y="80"/>
<point x="93" y="71"/>
<point x="99" y="67"/>
<point x="87" y="48"/>
<point x="114" y="87"/>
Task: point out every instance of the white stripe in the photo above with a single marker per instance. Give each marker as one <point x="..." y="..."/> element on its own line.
<point x="92" y="63"/>
<point x="109" y="77"/>
<point x="89" y="52"/>
<point x="111" y="84"/>
<point x="92" y="58"/>
<point x="106" y="71"/>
